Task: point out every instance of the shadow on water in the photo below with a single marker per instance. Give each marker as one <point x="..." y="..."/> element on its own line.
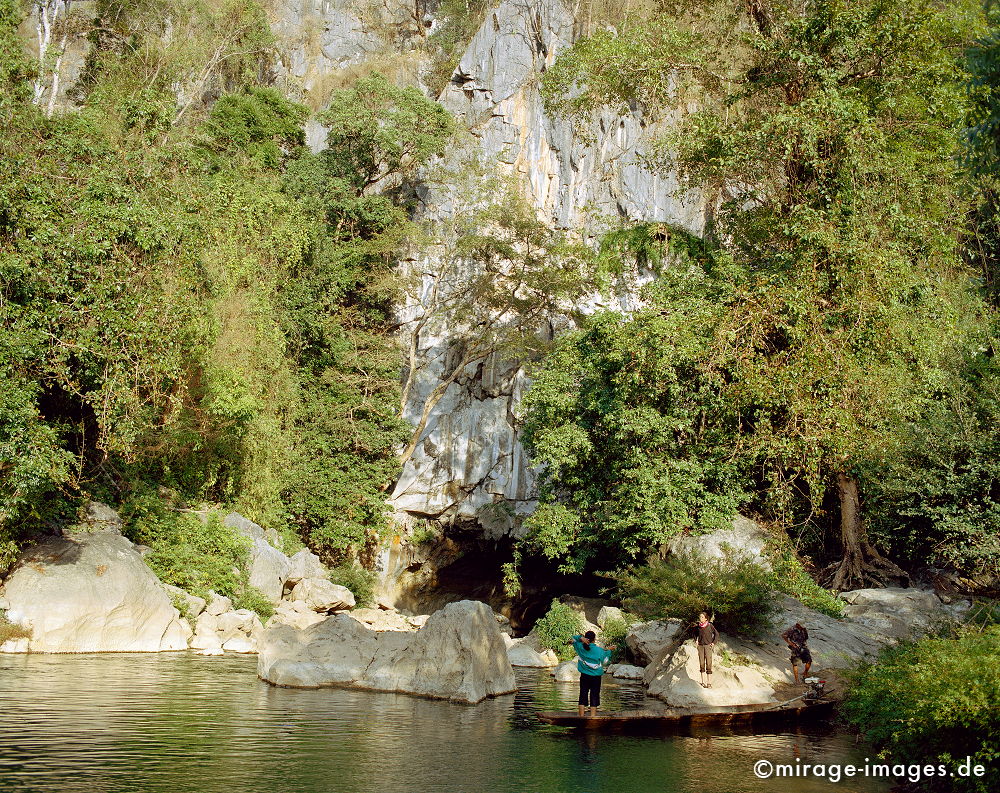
<point x="173" y="723"/>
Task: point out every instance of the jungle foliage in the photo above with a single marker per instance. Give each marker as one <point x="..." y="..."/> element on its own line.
<point x="797" y="359"/>
<point x="191" y="300"/>
<point x="934" y="701"/>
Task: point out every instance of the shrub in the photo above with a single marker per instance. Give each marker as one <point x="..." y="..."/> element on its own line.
<point x="789" y="576"/>
<point x="360" y="581"/>
<point x="255" y="600"/>
<point x="9" y="630"/>
<point x="557" y="627"/>
<point x="614" y="632"/>
<point x="935" y="699"/>
<point x="197" y="556"/>
<point x="734" y="589"/>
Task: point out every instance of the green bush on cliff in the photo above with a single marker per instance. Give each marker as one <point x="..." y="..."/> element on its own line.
<point x="560" y="623"/>
<point x="248" y="597"/>
<point x="734" y="589"/>
<point x="614" y="632"/>
<point x="360" y="581"/>
<point x="789" y="576"/>
<point x="934" y="700"/>
<point x="194" y="554"/>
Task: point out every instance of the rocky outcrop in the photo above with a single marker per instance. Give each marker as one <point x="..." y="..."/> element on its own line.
<point x="649" y="641"/>
<point x="676" y="681"/>
<point x="90" y="591"/>
<point x="469" y="458"/>
<point x="745" y="538"/>
<point x="750" y="670"/>
<point x="901" y="613"/>
<point x="268" y="567"/>
<point x="458" y="655"/>
<point x="321" y="595"/>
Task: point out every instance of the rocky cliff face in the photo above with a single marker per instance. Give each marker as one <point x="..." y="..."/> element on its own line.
<point x="470" y="460"/>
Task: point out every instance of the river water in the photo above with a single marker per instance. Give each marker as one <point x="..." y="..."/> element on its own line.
<point x="180" y="723"/>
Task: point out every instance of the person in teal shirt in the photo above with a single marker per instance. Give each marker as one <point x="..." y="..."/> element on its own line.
<point x="591" y="661"/>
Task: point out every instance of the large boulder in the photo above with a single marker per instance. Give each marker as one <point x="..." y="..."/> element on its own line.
<point x="651" y="640"/>
<point x="744" y="538"/>
<point x="745" y="667"/>
<point x="567" y="672"/>
<point x="677" y="682"/>
<point x="302" y="565"/>
<point x="321" y="595"/>
<point x="295" y="613"/>
<point x="608" y="614"/>
<point x="627" y="672"/>
<point x="192" y="604"/>
<point x="898" y="612"/>
<point x="382" y="620"/>
<point x="92" y="592"/>
<point x="458" y="655"/>
<point x="527" y="651"/>
<point x="268" y="567"/>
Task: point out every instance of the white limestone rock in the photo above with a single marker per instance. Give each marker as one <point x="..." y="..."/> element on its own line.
<point x="302" y="565"/>
<point x="567" y="672"/>
<point x="899" y="612"/>
<point x="218" y="604"/>
<point x="627" y="672"/>
<point x="608" y="614"/>
<point x="677" y="682"/>
<point x="744" y="538"/>
<point x="239" y="644"/>
<point x="382" y="620"/>
<point x="321" y="595"/>
<point x="648" y="641"/>
<point x="194" y="604"/>
<point x="91" y="592"/>
<point x="295" y="613"/>
<point x="458" y="655"/>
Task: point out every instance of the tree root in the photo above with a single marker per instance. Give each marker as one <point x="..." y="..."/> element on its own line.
<point x="865" y="567"/>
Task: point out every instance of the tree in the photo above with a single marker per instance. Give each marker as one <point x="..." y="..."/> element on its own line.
<point x="828" y="134"/>
<point x="380" y="133"/>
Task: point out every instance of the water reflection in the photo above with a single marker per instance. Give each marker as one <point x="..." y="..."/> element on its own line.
<point x="178" y="723"/>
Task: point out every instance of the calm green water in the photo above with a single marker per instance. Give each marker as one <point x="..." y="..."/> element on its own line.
<point x="179" y="723"/>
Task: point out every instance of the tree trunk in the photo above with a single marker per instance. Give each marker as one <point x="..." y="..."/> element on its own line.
<point x="861" y="565"/>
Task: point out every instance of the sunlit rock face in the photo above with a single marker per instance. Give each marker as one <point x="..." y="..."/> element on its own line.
<point x="469" y="466"/>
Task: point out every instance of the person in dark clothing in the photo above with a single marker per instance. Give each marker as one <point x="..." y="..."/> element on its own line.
<point x="591" y="660"/>
<point x="796" y="638"/>
<point x="707" y="636"/>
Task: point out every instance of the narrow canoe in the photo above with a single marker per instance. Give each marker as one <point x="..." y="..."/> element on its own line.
<point x="734" y="717"/>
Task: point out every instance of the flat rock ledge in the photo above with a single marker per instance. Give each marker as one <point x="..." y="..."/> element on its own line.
<point x="458" y="655"/>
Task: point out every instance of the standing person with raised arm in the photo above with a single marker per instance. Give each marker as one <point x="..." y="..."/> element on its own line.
<point x="707" y="637"/>
<point x="591" y="661"/>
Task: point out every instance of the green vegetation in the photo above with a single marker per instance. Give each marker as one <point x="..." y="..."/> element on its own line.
<point x="9" y="630"/>
<point x="193" y="301"/>
<point x="934" y="701"/>
<point x="560" y="624"/>
<point x="734" y="591"/>
<point x="614" y="632"/>
<point x="359" y="580"/>
<point x="195" y="552"/>
<point x="823" y="357"/>
<point x="789" y="576"/>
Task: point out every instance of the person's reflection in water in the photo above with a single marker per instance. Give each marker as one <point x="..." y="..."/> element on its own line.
<point x="589" y="745"/>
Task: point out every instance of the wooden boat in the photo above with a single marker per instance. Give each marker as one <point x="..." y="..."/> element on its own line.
<point x="733" y="717"/>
